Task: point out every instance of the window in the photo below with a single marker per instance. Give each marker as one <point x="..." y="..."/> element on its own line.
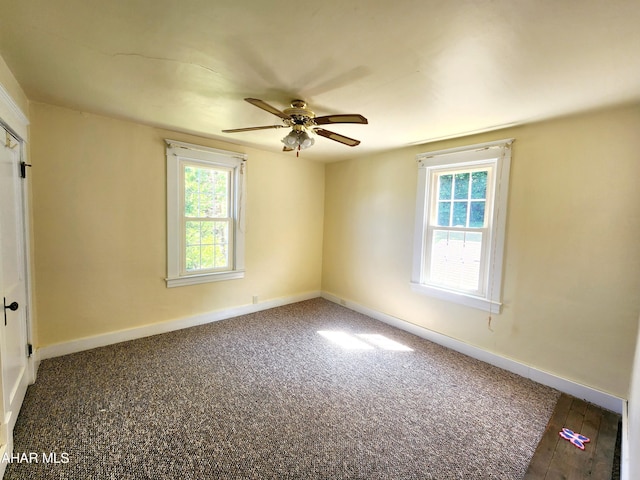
<point x="205" y="214"/>
<point x="460" y="221"/>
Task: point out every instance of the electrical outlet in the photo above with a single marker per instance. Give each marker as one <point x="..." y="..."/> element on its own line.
<point x="255" y="299"/>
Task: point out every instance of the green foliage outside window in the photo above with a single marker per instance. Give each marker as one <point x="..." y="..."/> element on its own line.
<point x="206" y="204"/>
<point x="461" y="199"/>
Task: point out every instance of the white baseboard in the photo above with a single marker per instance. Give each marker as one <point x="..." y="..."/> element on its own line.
<point x="95" y="341"/>
<point x="577" y="390"/>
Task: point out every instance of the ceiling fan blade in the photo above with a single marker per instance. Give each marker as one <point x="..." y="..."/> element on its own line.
<point x="265" y="106"/>
<point x="249" y="129"/>
<point x="337" y="137"/>
<point x="347" y="118"/>
<point x="287" y="149"/>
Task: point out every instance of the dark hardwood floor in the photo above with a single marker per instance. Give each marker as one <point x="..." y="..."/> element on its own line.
<point x="556" y="458"/>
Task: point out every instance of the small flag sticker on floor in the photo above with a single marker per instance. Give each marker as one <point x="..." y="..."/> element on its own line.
<point x="575" y="438"/>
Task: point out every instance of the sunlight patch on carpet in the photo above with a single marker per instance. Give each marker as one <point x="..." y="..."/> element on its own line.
<point x="363" y="341"/>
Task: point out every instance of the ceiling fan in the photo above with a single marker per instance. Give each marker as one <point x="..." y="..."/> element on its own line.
<point x="301" y="120"/>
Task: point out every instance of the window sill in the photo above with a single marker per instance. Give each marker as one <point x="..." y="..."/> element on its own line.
<point x="458" y="297"/>
<point x="203" y="278"/>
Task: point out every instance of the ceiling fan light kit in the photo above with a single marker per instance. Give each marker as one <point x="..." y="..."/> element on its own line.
<point x="301" y="120"/>
<point x="299" y="139"/>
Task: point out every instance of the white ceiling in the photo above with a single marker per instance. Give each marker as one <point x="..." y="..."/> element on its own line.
<point x="419" y="70"/>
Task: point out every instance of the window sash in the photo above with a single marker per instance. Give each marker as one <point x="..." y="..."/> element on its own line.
<point x="227" y="246"/>
<point x="433" y="225"/>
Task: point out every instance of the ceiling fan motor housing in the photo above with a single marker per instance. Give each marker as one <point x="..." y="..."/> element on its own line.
<point x="300" y="114"/>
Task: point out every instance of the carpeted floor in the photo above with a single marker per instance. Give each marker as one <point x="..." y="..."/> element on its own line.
<point x="266" y="396"/>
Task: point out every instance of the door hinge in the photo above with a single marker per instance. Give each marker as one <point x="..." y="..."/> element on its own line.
<point x="29" y="349"/>
<point x="23" y="169"/>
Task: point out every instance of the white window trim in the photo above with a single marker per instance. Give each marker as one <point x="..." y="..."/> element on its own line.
<point x="177" y="152"/>
<point x="456" y="157"/>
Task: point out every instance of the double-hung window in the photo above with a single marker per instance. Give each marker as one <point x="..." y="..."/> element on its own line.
<point x="460" y="222"/>
<point x="205" y="214"/>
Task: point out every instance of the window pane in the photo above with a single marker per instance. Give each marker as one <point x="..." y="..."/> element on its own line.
<point x="206" y="205"/>
<point x="439" y="257"/>
<point x="221" y="233"/>
<point x="220" y="207"/>
<point x="206" y="257"/>
<point x="459" y="214"/>
<point x="222" y="183"/>
<point x="192" y="258"/>
<point x="473" y="237"/>
<point x="221" y="258"/>
<point x="206" y="192"/>
<point x="455" y="259"/>
<point x="190" y="191"/>
<point x="221" y="247"/>
<point x="206" y="230"/>
<point x="479" y="184"/>
<point x="456" y="237"/>
<point x="444" y="214"/>
<point x="440" y="236"/>
<point x="470" y="268"/>
<point x="192" y="233"/>
<point x="445" y="187"/>
<point x="190" y="204"/>
<point x="476" y="216"/>
<point x="461" y="188"/>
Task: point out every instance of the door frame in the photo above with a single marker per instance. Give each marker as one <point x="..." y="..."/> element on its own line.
<point x="13" y="119"/>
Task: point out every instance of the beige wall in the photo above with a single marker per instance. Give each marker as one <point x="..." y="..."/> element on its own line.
<point x="11" y="85"/>
<point x="572" y="267"/>
<point x="99" y="210"/>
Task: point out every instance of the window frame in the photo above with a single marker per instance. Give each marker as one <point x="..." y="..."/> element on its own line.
<point x="178" y="155"/>
<point x="496" y="155"/>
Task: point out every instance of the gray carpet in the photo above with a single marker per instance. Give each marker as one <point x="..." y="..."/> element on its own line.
<point x="265" y="396"/>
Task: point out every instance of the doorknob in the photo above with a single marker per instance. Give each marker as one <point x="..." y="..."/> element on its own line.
<point x="12" y="306"/>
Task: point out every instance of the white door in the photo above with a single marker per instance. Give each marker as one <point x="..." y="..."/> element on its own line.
<point x="13" y="287"/>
